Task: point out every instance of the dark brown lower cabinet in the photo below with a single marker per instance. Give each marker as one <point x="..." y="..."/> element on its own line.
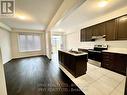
<point x="114" y="61"/>
<point x="126" y="83"/>
<point x="76" y="65"/>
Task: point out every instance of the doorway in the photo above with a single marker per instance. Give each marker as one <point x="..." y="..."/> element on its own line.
<point x="56" y="44"/>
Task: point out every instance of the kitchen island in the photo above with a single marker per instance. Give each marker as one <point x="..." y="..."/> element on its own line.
<point x="75" y="62"/>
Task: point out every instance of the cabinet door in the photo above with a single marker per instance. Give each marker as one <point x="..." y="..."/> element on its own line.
<point x="115" y="62"/>
<point x="82" y="35"/>
<point x="98" y="30"/>
<point x="95" y="30"/>
<point x="110" y="28"/>
<point x="126" y="83"/>
<point x="119" y="64"/>
<point x="122" y="28"/>
<point x="88" y="33"/>
<point x="107" y="60"/>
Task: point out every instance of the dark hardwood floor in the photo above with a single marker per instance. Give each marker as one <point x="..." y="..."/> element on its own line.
<point x="37" y="76"/>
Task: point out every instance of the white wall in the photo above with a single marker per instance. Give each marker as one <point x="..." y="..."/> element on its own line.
<point x="73" y="41"/>
<point x="5" y="45"/>
<point x="2" y="78"/>
<point x="15" y="49"/>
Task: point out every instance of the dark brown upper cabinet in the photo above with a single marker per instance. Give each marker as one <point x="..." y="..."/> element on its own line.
<point x="88" y="33"/>
<point x="122" y="28"/>
<point x="82" y="35"/>
<point x="110" y="28"/>
<point x="115" y="29"/>
<point x="98" y="30"/>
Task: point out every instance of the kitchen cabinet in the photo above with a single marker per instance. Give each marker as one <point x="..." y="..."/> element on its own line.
<point x="119" y="64"/>
<point x="82" y="35"/>
<point x="122" y="28"/>
<point x="114" y="29"/>
<point x="110" y="28"/>
<point x="76" y="65"/>
<point x="98" y="30"/>
<point x="95" y="55"/>
<point x="88" y="34"/>
<point x="125" y="93"/>
<point x="114" y="61"/>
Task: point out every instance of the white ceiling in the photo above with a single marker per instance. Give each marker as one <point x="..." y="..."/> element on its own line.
<point x="38" y="14"/>
<point x="87" y="11"/>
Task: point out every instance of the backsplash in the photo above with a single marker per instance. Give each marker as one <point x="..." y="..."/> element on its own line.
<point x="113" y="44"/>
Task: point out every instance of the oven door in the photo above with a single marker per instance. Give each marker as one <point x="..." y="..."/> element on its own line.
<point x="95" y="55"/>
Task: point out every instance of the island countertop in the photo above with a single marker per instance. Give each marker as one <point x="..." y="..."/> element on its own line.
<point x="74" y="54"/>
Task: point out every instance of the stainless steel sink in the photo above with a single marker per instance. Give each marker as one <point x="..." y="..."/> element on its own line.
<point x="75" y="52"/>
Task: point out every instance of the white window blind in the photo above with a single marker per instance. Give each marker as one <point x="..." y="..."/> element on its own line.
<point x="29" y="42"/>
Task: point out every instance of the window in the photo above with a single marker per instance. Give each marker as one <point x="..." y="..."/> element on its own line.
<point x="29" y="42"/>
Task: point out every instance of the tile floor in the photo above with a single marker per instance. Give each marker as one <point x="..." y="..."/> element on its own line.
<point x="99" y="81"/>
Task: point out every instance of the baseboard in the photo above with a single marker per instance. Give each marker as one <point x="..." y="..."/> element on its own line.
<point x="8" y="61"/>
<point x="29" y="56"/>
<point x="47" y="57"/>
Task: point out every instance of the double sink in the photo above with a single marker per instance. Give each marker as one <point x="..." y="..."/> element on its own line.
<point x="75" y="52"/>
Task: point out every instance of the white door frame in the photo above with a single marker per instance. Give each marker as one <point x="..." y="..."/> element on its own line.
<point x="3" y="90"/>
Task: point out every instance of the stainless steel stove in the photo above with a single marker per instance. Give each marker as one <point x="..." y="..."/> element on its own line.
<point x="96" y="53"/>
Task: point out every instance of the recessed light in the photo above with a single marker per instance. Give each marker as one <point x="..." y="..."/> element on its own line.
<point x="60" y="30"/>
<point x="21" y="17"/>
<point x="102" y="3"/>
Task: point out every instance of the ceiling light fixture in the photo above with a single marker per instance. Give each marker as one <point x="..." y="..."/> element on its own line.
<point x="103" y="3"/>
<point x="21" y="17"/>
<point x="60" y="30"/>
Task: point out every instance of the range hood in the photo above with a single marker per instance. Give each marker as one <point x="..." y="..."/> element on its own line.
<point x="97" y="37"/>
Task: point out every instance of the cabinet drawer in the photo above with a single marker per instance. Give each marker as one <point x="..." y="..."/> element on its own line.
<point x="108" y="60"/>
<point x="107" y="54"/>
<point x="114" y="61"/>
<point x="106" y="65"/>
